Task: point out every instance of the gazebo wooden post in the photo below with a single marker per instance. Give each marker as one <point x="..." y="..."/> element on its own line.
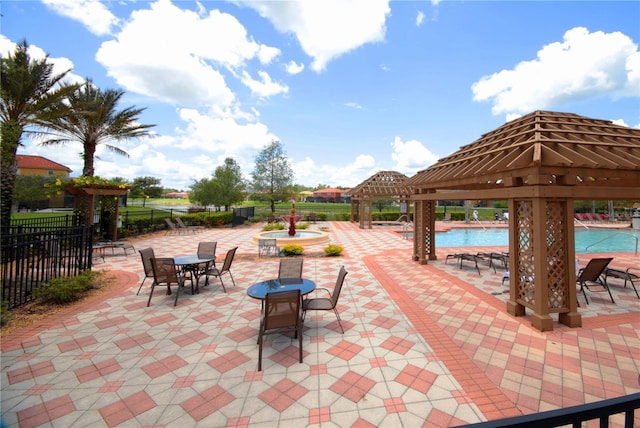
<point x="540" y="318"/>
<point x="366" y="207"/>
<point x="572" y="318"/>
<point x="419" y="233"/>
<point x="355" y="207"/>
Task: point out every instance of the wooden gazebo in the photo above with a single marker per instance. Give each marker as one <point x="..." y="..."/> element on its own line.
<point x="540" y="163"/>
<point x="383" y="185"/>
<point x="84" y="202"/>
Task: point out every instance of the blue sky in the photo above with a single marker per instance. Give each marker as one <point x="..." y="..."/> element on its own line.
<point x="349" y="87"/>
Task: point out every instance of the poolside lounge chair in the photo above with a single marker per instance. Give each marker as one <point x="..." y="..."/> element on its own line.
<point x="172" y="228"/>
<point x="631" y="275"/>
<point x="593" y="276"/>
<point x="462" y="257"/>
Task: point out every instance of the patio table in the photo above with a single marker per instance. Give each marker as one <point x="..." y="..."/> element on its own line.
<point x="260" y="289"/>
<point x="193" y="265"/>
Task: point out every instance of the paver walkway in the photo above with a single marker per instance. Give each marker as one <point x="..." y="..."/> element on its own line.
<point x="424" y="345"/>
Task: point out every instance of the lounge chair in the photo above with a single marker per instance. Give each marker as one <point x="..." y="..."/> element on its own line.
<point x="592" y="277"/>
<point x="172" y="228"/>
<point x="194" y="229"/>
<point x="631" y="275"/>
<point x="462" y="257"/>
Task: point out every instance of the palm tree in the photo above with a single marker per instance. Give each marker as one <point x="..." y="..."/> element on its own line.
<point x="30" y="97"/>
<point x="94" y="120"/>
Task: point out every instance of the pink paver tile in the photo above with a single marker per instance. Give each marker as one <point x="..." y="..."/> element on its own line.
<point x="395" y="405"/>
<point x="123" y="410"/>
<point x="160" y="320"/>
<point x="345" y="350"/>
<point x="283" y="394"/>
<point x="46" y="412"/>
<point x="189" y="338"/>
<point x="397" y="344"/>
<point x="93" y="371"/>
<point x="352" y="386"/>
<point x="207" y="402"/>
<point x="111" y="322"/>
<point x="228" y="361"/>
<point x="77" y="343"/>
<point x="38" y="389"/>
<point x="133" y="341"/>
<point x="164" y="366"/>
<point x="30" y="372"/>
<point x="416" y="378"/>
<point x="319" y="415"/>
<point x="111" y="386"/>
<point x="243" y="333"/>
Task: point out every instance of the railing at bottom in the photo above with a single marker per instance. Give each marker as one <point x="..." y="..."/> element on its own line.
<point x="573" y="415"/>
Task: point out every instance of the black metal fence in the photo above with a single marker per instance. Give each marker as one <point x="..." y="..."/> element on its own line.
<point x="27" y="225"/>
<point x="29" y="259"/>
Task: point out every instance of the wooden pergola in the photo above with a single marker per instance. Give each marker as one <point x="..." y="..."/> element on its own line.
<point x="540" y="163"/>
<point x="382" y="186"/>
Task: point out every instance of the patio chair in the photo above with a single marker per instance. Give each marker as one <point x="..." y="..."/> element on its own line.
<point x="172" y="228"/>
<point x="324" y="303"/>
<point x="206" y="249"/>
<point x="290" y="268"/>
<point x="166" y="273"/>
<point x="225" y="269"/>
<point x="282" y="314"/>
<point x="146" y="254"/>
<point x="631" y="275"/>
<point x="185" y="228"/>
<point x="312" y="218"/>
<point x="268" y="247"/>
<point x="592" y="276"/>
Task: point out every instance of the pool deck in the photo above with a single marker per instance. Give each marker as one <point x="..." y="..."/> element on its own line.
<point x="424" y="345"/>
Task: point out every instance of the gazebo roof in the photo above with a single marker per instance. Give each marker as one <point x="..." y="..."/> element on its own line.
<point x="542" y="148"/>
<point x="383" y="184"/>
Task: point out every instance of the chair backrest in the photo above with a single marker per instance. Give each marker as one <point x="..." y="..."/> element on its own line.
<point x="267" y="242"/>
<point x="146" y="254"/>
<point x="336" y="290"/>
<point x="228" y="259"/>
<point x="290" y="268"/>
<point x="594" y="269"/>
<point x="170" y="224"/>
<point x="164" y="270"/>
<point x="207" y="248"/>
<point x="282" y="309"/>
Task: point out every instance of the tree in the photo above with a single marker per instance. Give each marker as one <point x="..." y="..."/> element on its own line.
<point x="31" y="97"/>
<point x="272" y="175"/>
<point x="30" y="191"/>
<point x="146" y="187"/>
<point x="225" y="188"/>
<point x="94" y="120"/>
<point x="230" y="185"/>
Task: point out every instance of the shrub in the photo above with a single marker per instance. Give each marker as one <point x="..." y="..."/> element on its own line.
<point x="332" y="250"/>
<point x="65" y="289"/>
<point x="302" y="226"/>
<point x="273" y="226"/>
<point x="292" y="250"/>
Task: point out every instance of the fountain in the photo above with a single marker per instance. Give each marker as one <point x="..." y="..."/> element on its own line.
<point x="305" y="237"/>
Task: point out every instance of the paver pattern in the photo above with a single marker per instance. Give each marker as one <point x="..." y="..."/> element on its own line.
<point x="424" y="345"/>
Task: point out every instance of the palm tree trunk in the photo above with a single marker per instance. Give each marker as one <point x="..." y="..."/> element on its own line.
<point x="89" y="152"/>
<point x="10" y="133"/>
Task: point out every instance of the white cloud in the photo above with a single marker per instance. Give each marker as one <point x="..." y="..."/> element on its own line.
<point x="293" y="68"/>
<point x="353" y="105"/>
<point x="264" y="87"/>
<point x="411" y="156"/>
<point x="327" y="29"/>
<point x="362" y="167"/>
<point x="180" y="56"/>
<point x="419" y="18"/>
<point x="93" y="14"/>
<point x="583" y="65"/>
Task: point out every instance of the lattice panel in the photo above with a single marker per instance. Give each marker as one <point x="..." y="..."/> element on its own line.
<point x="108" y="221"/>
<point x="428" y="220"/>
<point x="556" y="260"/>
<point x="524" y="246"/>
<point x="83" y="204"/>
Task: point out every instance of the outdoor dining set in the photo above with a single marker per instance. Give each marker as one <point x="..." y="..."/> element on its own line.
<point x="284" y="300"/>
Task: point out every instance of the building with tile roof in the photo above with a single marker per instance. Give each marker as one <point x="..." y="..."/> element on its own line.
<point x="38" y="165"/>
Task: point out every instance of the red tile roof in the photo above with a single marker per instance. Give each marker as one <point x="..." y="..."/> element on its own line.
<point x="38" y="162"/>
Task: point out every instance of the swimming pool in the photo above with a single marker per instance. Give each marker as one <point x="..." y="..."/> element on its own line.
<point x="587" y="240"/>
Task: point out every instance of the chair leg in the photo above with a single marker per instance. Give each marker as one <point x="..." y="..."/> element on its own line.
<point x="153" y="285"/>
<point x="232" y="280"/>
<point x="260" y="351"/>
<point x="338" y="316"/>
<point x="299" y="332"/>
<point x="582" y="287"/>
<point x="609" y="291"/>
<point x="145" y="278"/>
<point x="178" y="293"/>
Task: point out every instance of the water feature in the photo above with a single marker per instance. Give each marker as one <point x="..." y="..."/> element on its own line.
<point x="301" y="237"/>
<point x="586" y="240"/>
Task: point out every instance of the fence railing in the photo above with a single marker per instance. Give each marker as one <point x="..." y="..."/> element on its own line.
<point x="35" y="224"/>
<point x="29" y="259"/>
<point x="574" y="416"/>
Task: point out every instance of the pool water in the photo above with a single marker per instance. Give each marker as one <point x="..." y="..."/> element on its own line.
<point x="587" y="240"/>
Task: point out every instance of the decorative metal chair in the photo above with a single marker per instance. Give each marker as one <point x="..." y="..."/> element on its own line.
<point x="225" y="269"/>
<point x="290" y="268"/>
<point x="146" y="254"/>
<point x="165" y="273"/>
<point x="282" y="313"/>
<point x="324" y="303"/>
